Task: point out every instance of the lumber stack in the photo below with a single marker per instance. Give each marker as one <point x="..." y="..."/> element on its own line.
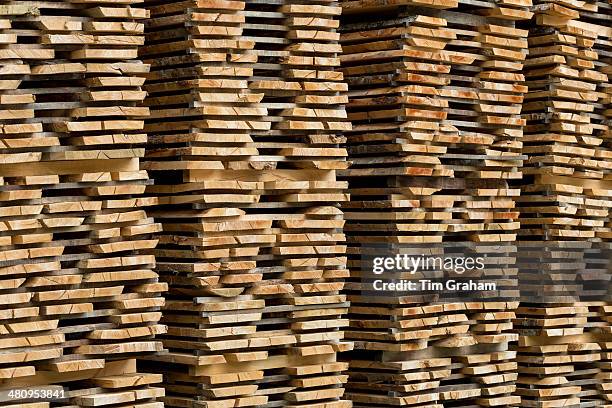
<point x="435" y="93"/>
<point x="564" y="140"/>
<point x="79" y="298"/>
<point x="428" y="356"/>
<point x="603" y="46"/>
<point x="565" y="203"/>
<point x="245" y="126"/>
<point x="223" y="181"/>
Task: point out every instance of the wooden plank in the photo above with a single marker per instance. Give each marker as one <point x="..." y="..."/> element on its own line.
<point x="72" y="217"/>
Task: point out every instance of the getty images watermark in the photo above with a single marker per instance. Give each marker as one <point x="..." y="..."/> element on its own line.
<point x="534" y="272"/>
<point x="390" y="270"/>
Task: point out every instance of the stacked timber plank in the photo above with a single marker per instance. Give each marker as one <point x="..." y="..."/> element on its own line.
<point x="246" y="116"/>
<point x="435" y="93"/>
<point x="565" y="202"/>
<point x="567" y="158"/>
<point x="79" y="301"/>
<point x="602" y="18"/>
<point x="603" y="45"/>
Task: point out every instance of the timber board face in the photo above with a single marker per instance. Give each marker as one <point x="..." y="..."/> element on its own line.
<point x="80" y="298"/>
